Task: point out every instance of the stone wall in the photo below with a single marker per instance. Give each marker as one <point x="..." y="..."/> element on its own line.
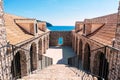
<point x="55" y="35"/>
<point x="3" y="42"/>
<point x="111" y="55"/>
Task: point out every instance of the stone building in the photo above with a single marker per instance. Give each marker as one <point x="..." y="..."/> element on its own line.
<point x="24" y="40"/>
<point x="96" y="42"/>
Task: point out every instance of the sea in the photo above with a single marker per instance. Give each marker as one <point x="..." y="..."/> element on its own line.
<point x="61" y="28"/>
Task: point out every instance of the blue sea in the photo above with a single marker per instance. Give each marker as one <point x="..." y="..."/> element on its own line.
<point x="61" y="28"/>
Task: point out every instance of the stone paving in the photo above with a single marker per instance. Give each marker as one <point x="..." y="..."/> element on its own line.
<point x="59" y="70"/>
<point x="60" y="54"/>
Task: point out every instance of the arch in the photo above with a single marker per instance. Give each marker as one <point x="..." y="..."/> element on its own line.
<point x="101" y="65"/>
<point x="76" y="45"/>
<point x="47" y="41"/>
<point x="60" y="41"/>
<point x="19" y="65"/>
<point x="40" y="49"/>
<point x="33" y="57"/>
<point x="97" y="62"/>
<point x="80" y="49"/>
<point x="73" y="42"/>
<point x="84" y="29"/>
<point x="87" y="54"/>
<point x="44" y="45"/>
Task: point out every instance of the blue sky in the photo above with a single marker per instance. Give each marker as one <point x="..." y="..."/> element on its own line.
<point x="61" y="12"/>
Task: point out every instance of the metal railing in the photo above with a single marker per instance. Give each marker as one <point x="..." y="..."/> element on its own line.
<point x="111" y="58"/>
<point x="10" y="52"/>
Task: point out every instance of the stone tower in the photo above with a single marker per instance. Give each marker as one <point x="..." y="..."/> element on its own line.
<point x="3" y="43"/>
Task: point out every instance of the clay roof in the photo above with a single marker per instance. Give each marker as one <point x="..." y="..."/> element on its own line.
<point x="106" y="33"/>
<point x="14" y="33"/>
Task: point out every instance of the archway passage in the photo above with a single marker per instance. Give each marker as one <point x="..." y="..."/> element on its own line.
<point x="80" y="49"/>
<point x="19" y="65"/>
<point x="33" y="57"/>
<point x="44" y="45"/>
<point x="86" y="64"/>
<point x="76" y="44"/>
<point x="101" y="65"/>
<point x="40" y="49"/>
<point x="60" y="41"/>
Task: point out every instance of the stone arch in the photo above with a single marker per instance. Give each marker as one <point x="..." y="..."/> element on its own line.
<point x="40" y="49"/>
<point x="47" y="41"/>
<point x="19" y="65"/>
<point x="87" y="54"/>
<point x="60" y="41"/>
<point x="44" y="45"/>
<point x="97" y="62"/>
<point x="101" y="65"/>
<point x="33" y="56"/>
<point x="73" y="42"/>
<point x="76" y="44"/>
<point x="80" y="49"/>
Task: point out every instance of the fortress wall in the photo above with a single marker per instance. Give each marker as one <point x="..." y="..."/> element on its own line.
<point x="66" y="35"/>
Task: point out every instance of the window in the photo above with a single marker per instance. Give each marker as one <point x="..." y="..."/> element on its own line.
<point x="84" y="29"/>
<point x="36" y="28"/>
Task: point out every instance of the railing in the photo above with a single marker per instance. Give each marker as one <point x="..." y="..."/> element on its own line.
<point x="43" y="62"/>
<point x="110" y="57"/>
<point x="76" y="63"/>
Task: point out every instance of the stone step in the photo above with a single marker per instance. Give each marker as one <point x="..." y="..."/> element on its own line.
<point x="59" y="72"/>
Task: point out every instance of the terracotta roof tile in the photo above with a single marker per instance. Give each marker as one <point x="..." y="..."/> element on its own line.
<point x="14" y="33"/>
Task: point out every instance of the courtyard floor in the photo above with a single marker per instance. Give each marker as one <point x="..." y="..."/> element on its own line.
<point x="60" y="54"/>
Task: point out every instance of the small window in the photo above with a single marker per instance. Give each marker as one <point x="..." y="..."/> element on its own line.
<point x="84" y="29"/>
<point x="60" y="41"/>
<point x="36" y="28"/>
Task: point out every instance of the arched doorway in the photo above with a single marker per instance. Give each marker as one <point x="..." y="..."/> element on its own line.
<point x="104" y="66"/>
<point x="33" y="57"/>
<point x="40" y="49"/>
<point x="76" y="45"/>
<point x="101" y="65"/>
<point x="80" y="49"/>
<point x="44" y="45"/>
<point x="86" y="64"/>
<point x="60" y="41"/>
<point x="47" y="42"/>
<point x="19" y="65"/>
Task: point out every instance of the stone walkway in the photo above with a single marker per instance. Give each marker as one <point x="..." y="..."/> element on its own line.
<point x="59" y="54"/>
<point x="59" y="70"/>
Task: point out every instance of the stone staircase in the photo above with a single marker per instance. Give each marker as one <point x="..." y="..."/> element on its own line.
<point x="59" y="72"/>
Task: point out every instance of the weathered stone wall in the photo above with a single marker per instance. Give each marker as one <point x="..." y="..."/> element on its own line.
<point x="3" y="42"/>
<point x="112" y="55"/>
<point x="115" y="63"/>
<point x="66" y="35"/>
<point x="39" y="48"/>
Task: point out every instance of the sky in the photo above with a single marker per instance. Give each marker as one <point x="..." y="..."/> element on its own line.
<point x="61" y="12"/>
